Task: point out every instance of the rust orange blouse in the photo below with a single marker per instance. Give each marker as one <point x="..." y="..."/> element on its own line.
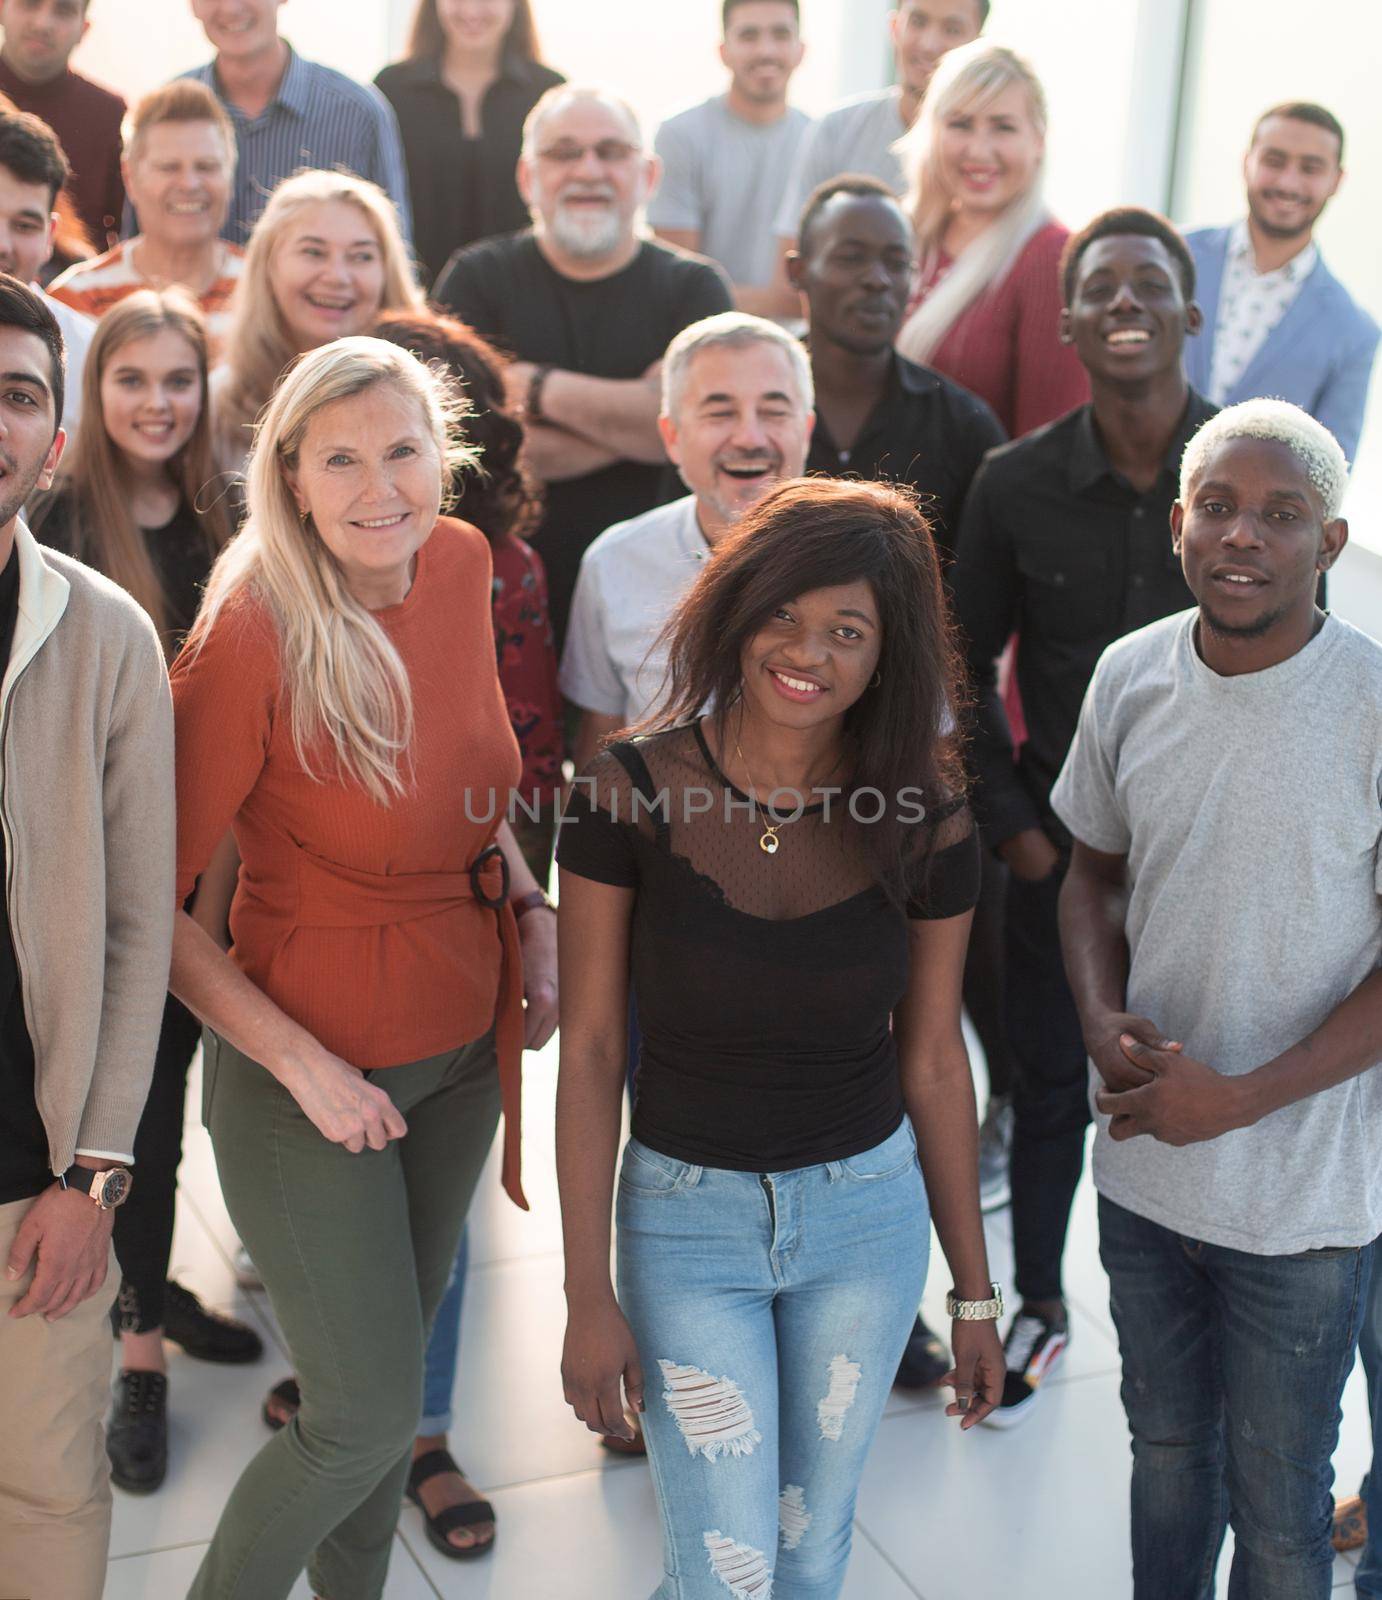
<point x="360" y="920"/>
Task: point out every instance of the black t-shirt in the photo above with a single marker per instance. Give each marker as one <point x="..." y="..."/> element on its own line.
<point x="181" y="554"/>
<point x="766" y="983"/>
<point x="925" y="431"/>
<point x="23" y="1140"/>
<point x="614" y="327"/>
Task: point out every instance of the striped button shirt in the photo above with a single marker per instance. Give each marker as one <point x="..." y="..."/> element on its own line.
<point x="318" y="118"/>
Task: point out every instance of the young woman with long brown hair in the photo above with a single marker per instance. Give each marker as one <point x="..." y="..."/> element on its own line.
<point x="132" y="501"/>
<point x="788" y="880"/>
<point x="472" y="73"/>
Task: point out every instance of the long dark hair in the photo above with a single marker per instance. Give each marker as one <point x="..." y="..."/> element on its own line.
<point x="817" y="533"/>
<point x="500" y="497"/>
<point x="426" y="39"/>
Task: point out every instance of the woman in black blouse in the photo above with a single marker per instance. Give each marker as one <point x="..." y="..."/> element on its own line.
<point x="472" y="74"/>
<point x="135" y="498"/>
<point x="789" y="881"/>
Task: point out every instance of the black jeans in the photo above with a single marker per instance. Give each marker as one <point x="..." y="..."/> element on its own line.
<point x="1051" y="1096"/>
<point x="144" y="1224"/>
<point x="984" y="973"/>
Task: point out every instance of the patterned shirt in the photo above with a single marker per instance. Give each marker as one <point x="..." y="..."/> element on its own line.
<point x="1251" y="305"/>
<point x="93" y="287"/>
<point x="317" y="118"/>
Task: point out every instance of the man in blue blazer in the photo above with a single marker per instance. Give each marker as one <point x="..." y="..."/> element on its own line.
<point x="1277" y="321"/>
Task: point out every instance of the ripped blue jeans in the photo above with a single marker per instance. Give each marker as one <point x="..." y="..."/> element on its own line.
<point x="770" y="1310"/>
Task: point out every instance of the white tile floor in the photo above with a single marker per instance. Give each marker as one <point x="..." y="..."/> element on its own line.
<point x="1034" y="1514"/>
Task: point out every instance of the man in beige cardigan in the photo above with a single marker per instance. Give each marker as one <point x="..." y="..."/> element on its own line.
<point x="86" y="831"/>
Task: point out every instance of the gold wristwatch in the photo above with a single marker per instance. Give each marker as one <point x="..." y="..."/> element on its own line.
<point x="108" y="1187"/>
<point x="975" y="1310"/>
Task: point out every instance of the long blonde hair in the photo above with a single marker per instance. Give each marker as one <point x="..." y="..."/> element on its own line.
<point x="971" y="77"/>
<point x="93" y="479"/>
<point x="345" y="682"/>
<point x="258" y="346"/>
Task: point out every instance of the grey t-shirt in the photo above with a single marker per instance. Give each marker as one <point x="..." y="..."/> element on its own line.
<point x="1250" y="811"/>
<point x="631" y="579"/>
<point x="857" y="136"/>
<point x="724" y="177"/>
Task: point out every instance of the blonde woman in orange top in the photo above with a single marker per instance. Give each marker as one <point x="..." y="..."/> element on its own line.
<point x="338" y="705"/>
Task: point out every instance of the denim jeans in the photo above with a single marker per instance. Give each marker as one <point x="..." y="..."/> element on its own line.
<point x="770" y="1311"/>
<point x="1233" y="1369"/>
<point x="444" y="1349"/>
<point x="1051" y="1092"/>
<point x="1370" y="1347"/>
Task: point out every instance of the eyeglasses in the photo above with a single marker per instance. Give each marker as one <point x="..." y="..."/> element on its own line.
<point x="608" y="152"/>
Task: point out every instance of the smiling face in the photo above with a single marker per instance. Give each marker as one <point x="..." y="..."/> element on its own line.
<point x="1292" y="172"/>
<point x="30" y="441"/>
<point x="1252" y="539"/>
<point x="327" y="273"/>
<point x="26" y="226"/>
<point x="1128" y="316"/>
<point x="369" y="474"/>
<point x="990" y="155"/>
<point x="813" y="658"/>
<point x="180" y="183"/>
<point x="151" y="396"/>
<point x="586" y="178"/>
<point x="742" y="425"/>
<point x="762" y="48"/>
<point x="475" y="27"/>
<point x="239" y="27"/>
<point x="856" y="272"/>
<point x="923" y="30"/>
<point x="40" y="35"/>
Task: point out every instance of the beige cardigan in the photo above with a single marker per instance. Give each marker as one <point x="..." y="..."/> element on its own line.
<point x="86" y="803"/>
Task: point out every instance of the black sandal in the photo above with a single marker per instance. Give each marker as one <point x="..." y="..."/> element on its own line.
<point x="432" y="1465"/>
<point x="286" y="1393"/>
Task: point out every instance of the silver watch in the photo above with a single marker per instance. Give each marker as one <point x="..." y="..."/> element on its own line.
<point x="975" y="1310"/>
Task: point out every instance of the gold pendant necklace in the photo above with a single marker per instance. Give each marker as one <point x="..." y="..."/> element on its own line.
<point x="769" y="841"/>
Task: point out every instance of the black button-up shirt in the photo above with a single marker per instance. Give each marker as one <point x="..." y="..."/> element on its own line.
<point x="462" y="189"/>
<point x="1060" y="549"/>
<point x="925" y="431"/>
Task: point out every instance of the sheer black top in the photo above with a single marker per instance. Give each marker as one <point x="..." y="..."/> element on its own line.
<point x="765" y="983"/>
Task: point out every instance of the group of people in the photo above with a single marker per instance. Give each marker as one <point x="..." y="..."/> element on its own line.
<point x="978" y="663"/>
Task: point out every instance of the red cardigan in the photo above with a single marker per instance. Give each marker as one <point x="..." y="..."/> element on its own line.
<point x="1004" y="345"/>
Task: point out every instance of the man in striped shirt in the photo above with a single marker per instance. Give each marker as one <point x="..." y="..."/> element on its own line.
<point x="290" y="113"/>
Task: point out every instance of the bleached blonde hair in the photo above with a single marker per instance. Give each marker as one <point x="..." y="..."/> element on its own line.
<point x="346" y="684"/>
<point x="258" y="346"/>
<point x="969" y="78"/>
<point x="1277" y="422"/>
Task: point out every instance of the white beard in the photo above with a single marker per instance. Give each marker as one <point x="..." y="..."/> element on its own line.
<point x="587" y="235"/>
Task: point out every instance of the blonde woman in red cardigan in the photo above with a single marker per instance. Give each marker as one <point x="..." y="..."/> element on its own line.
<point x="987" y="308"/>
<point x="338" y="706"/>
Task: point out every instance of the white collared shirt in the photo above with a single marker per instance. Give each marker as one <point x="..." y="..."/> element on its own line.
<point x="1251" y="306"/>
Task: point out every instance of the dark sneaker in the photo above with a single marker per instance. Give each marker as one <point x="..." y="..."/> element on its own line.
<point x="924" y="1362"/>
<point x="207" y="1335"/>
<point x="1033" y="1346"/>
<point x="995" y="1153"/>
<point x="137" y="1434"/>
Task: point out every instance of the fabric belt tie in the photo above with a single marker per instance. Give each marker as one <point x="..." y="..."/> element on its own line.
<point x="335" y="896"/>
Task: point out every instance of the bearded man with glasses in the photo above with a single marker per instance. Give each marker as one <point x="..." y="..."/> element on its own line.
<point x="587" y="304"/>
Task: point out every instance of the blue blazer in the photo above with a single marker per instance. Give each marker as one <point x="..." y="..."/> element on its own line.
<point x="1319" y="356"/>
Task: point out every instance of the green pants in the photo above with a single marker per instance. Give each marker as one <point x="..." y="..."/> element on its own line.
<point x="355" y="1251"/>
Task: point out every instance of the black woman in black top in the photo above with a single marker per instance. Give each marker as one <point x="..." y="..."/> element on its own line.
<point x="461" y="95"/>
<point x="136" y="499"/>
<point x="789" y="881"/>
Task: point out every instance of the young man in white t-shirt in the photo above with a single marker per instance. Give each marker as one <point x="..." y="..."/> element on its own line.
<point x="1221" y="923"/>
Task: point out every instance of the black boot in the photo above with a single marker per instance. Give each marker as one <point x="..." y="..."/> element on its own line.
<point x="207" y="1335"/>
<point x="137" y="1435"/>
